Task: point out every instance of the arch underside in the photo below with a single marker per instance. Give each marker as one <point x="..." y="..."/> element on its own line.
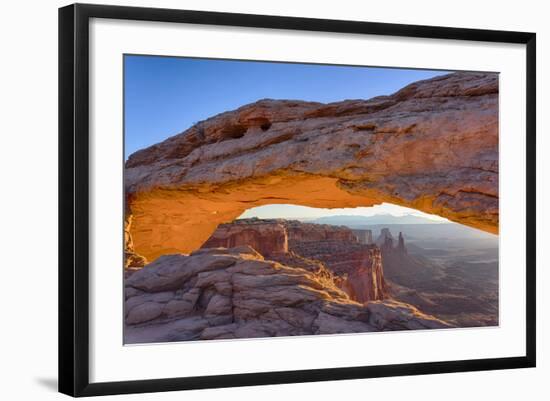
<point x="168" y="221"/>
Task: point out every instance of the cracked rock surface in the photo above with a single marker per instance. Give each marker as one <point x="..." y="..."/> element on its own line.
<point x="218" y="293"/>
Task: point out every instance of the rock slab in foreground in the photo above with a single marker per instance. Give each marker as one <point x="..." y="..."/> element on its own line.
<point x="235" y="293"/>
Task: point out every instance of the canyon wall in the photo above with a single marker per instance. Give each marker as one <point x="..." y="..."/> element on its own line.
<point x="308" y="232"/>
<point x="432" y="146"/>
<point x="385" y="237"/>
<point x="363" y="236"/>
<point x="357" y="267"/>
<point x="332" y="251"/>
<point x="266" y="237"/>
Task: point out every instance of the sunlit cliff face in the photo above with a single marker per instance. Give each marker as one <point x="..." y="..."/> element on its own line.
<point x="180" y="222"/>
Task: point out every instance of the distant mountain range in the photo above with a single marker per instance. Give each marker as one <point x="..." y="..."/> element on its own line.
<point x="376" y="219"/>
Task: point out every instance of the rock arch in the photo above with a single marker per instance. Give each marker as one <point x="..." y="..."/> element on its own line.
<point x="432" y="146"/>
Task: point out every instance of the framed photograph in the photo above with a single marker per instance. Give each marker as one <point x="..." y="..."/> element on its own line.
<point x="251" y="199"/>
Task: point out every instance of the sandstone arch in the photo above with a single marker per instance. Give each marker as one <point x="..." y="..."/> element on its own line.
<point x="432" y="146"/>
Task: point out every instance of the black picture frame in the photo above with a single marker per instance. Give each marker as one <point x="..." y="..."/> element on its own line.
<point x="74" y="201"/>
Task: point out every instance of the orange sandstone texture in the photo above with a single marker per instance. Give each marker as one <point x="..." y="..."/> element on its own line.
<point x="432" y="146"/>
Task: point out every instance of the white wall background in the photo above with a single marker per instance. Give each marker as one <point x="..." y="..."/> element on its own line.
<point x="28" y="201"/>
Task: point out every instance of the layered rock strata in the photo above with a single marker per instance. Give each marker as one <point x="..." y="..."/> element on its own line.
<point x="357" y="268"/>
<point x="310" y="232"/>
<point x="333" y="251"/>
<point x="265" y="236"/>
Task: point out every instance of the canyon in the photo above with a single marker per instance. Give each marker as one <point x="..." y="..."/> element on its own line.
<point x="356" y="268"/>
<point x="310" y="279"/>
<point x="378" y="270"/>
<point x="454" y="283"/>
<point x="192" y="271"/>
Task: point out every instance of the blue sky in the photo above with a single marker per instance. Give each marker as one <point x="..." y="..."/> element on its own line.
<point x="166" y="95"/>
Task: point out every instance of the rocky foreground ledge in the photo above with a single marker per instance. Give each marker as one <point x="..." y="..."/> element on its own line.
<point x="235" y="293"/>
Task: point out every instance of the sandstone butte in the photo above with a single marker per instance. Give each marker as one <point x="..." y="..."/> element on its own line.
<point x="330" y="252"/>
<point x="432" y="146"/>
